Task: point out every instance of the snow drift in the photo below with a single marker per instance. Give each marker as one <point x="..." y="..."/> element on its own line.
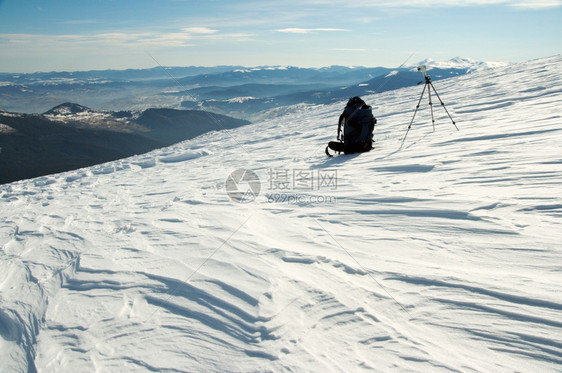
<point x="439" y="255"/>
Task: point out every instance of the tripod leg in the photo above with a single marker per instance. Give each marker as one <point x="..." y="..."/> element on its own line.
<point x="431" y="103"/>
<point x="417" y="107"/>
<point x="442" y="104"/>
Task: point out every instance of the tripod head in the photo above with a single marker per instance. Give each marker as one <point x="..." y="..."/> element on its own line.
<point x="423" y="70"/>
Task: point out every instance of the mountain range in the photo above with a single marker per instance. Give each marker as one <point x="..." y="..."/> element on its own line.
<point x="240" y="92"/>
<point x="72" y="136"/>
<point x="113" y="114"/>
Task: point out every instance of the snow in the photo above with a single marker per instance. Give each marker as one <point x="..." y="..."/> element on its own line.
<point x="4" y="128"/>
<point x="8" y="114"/>
<point x="241" y="99"/>
<point x="391" y="74"/>
<point x="441" y="254"/>
<point x="461" y="63"/>
<point x="262" y="68"/>
<point x="66" y="116"/>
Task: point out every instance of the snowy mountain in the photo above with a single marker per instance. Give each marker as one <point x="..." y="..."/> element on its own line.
<point x="69" y="108"/>
<point x="245" y="93"/>
<point x="441" y="253"/>
<point x="138" y="90"/>
<point x="460" y="63"/>
<point x="72" y="136"/>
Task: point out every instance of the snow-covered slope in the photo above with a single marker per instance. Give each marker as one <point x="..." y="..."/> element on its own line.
<point x="442" y="254"/>
<point x="468" y="64"/>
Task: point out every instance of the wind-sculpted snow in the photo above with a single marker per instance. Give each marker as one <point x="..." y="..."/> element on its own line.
<point x="439" y="254"/>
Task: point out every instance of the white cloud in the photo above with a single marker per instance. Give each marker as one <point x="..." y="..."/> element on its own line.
<point x="297" y="30"/>
<point x="185" y="37"/>
<point x="349" y="49"/>
<point x="199" y="30"/>
<point x="528" y="4"/>
<point x="537" y="4"/>
<point x="119" y="39"/>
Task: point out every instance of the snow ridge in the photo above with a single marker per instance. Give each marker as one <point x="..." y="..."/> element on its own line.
<point x="468" y="64"/>
<point x="439" y="255"/>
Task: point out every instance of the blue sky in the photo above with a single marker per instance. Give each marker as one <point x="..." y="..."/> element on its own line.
<point x="57" y="35"/>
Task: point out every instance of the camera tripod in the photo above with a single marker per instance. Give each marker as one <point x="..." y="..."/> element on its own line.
<point x="429" y="86"/>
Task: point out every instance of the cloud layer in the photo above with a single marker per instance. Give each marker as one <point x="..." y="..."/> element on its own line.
<point x="253" y="32"/>
<point x="297" y="30"/>
<point x="528" y="4"/>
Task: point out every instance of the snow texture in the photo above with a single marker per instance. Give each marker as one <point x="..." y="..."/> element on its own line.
<point x="469" y="64"/>
<point x="441" y="254"/>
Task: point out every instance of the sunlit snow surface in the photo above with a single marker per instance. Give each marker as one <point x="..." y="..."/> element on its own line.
<point x="443" y="254"/>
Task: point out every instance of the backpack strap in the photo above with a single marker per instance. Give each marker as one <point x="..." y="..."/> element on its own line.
<point x="341" y="121"/>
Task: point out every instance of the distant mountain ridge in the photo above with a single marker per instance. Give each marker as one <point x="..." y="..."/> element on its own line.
<point x="225" y="100"/>
<point x="469" y="64"/>
<point x="72" y="136"/>
<point x="243" y="92"/>
<point x="68" y="108"/>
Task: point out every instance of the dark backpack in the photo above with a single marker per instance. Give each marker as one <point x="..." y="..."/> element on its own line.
<point x="358" y="124"/>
